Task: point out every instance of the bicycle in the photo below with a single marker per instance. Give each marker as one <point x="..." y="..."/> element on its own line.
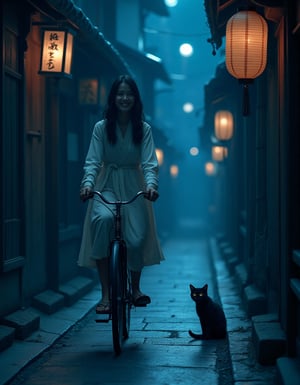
<point x="120" y="279"/>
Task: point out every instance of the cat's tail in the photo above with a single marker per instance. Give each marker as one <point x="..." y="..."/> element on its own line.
<point x="196" y="336"/>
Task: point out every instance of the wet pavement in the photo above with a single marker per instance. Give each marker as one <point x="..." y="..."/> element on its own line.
<point x="159" y="349"/>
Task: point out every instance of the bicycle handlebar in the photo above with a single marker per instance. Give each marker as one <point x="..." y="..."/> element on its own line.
<point x="100" y="195"/>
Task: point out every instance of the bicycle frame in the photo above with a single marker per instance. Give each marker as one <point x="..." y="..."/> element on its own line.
<point x="120" y="283"/>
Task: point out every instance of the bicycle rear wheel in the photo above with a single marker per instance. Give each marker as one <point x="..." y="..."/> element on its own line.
<point x="117" y="290"/>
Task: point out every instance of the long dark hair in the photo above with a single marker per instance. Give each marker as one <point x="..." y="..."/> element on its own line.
<point x="136" y="113"/>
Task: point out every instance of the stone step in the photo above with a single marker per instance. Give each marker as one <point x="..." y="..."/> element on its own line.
<point x="240" y="272"/>
<point x="25" y="322"/>
<point x="48" y="301"/>
<point x="22" y="323"/>
<point x="75" y="289"/>
<point x="288" y="370"/>
<point x="255" y="301"/>
<point x="7" y="335"/>
<point x="269" y="339"/>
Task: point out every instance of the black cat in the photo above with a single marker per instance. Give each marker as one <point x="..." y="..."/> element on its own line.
<point x="211" y="315"/>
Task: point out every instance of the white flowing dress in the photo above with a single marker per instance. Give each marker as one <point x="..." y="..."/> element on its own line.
<point x="120" y="171"/>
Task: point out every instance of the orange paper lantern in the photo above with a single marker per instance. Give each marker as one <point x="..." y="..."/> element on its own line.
<point x="223" y="125"/>
<point x="246" y="48"/>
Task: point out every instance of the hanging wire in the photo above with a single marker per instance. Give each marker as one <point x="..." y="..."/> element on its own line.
<point x="179" y="34"/>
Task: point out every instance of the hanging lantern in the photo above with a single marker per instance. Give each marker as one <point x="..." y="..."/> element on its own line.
<point x="246" y="49"/>
<point x="219" y="153"/>
<point x="57" y="50"/>
<point x="210" y="168"/>
<point x="160" y="156"/>
<point x="223" y="125"/>
<point x="174" y="170"/>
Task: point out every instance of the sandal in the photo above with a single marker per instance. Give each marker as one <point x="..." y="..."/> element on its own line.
<point x="103" y="308"/>
<point x="141" y="300"/>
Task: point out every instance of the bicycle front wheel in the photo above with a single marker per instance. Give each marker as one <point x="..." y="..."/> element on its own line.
<point x="117" y="290"/>
<point x="127" y="294"/>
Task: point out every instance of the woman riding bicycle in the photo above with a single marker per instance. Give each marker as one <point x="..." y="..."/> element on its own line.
<point x="121" y="160"/>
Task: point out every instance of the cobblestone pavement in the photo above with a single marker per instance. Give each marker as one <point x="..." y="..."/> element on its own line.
<point x="159" y="350"/>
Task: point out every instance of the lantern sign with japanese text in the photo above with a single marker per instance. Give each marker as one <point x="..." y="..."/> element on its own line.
<point x="57" y="50"/>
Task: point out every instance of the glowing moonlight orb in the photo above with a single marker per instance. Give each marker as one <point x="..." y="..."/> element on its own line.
<point x="171" y="3"/>
<point x="186" y="49"/>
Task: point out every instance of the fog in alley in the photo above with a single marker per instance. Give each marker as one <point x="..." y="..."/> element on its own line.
<point x="189" y="199"/>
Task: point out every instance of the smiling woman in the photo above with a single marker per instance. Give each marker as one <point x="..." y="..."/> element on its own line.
<point x="121" y="161"/>
<point x="124" y="100"/>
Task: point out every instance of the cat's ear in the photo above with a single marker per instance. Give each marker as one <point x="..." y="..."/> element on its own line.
<point x="192" y="287"/>
<point x="205" y="287"/>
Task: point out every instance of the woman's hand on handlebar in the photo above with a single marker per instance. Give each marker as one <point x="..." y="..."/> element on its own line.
<point x="152" y="194"/>
<point x="86" y="193"/>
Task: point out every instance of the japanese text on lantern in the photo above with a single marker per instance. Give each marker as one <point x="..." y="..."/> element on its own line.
<point x="52" y="48"/>
<point x="53" y="51"/>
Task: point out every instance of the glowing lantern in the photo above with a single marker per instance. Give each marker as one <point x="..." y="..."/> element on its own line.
<point x="223" y="125"/>
<point x="57" y="51"/>
<point x="160" y="156"/>
<point x="174" y="171"/>
<point x="219" y="153"/>
<point x="210" y="168"/>
<point x="246" y="49"/>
